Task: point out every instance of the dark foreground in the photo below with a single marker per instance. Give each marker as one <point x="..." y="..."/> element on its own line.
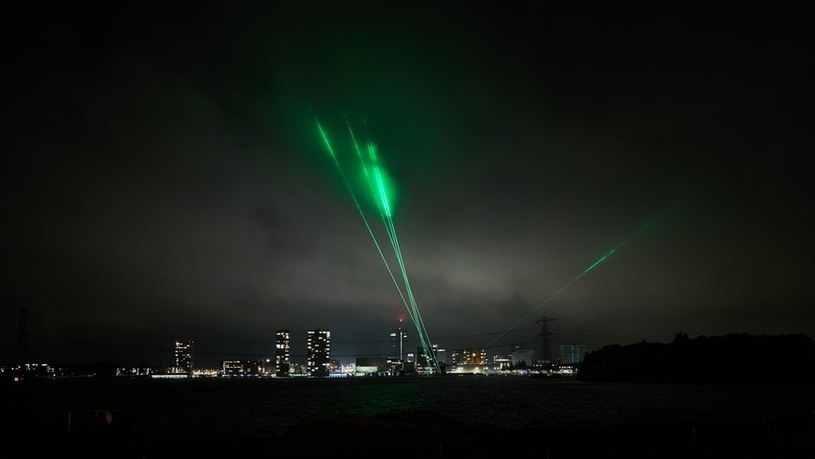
<point x="438" y="416"/>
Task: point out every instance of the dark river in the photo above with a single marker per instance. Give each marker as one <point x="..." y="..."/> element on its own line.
<point x="484" y="416"/>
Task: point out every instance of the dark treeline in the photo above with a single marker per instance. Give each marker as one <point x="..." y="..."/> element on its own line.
<point x="734" y="358"/>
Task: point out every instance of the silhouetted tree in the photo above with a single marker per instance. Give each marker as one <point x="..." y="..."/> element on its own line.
<point x="734" y="358"/>
<point x="681" y="337"/>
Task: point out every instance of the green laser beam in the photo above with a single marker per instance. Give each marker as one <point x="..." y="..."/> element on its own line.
<point x="386" y="215"/>
<point x="325" y="140"/>
<point x="411" y="298"/>
<point x="599" y="261"/>
<point x="385" y="207"/>
<point x="569" y="284"/>
<point x="364" y="219"/>
<point x="374" y="176"/>
<point x="424" y="336"/>
<point x="357" y="149"/>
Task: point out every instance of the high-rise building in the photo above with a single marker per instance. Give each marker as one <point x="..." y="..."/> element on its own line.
<point x="426" y="362"/>
<point x="397" y="344"/>
<point x="182" y="357"/>
<point x="572" y="354"/>
<point x="319" y="352"/>
<point x="282" y="356"/>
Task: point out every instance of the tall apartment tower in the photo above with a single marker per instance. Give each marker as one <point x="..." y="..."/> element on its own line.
<point x="282" y="355"/>
<point x="319" y="352"/>
<point x="182" y="356"/>
<point x="397" y="344"/>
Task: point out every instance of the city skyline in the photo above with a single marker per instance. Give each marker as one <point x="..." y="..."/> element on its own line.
<point x="632" y="173"/>
<point x="181" y="357"/>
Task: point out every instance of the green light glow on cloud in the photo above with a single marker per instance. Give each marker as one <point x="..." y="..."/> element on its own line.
<point x="377" y="184"/>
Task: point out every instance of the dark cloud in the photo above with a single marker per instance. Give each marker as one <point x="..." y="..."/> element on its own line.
<point x="164" y="177"/>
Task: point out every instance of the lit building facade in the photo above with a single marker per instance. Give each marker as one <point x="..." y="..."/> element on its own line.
<point x="335" y="366"/>
<point x="501" y="362"/>
<point x="371" y="365"/>
<point x="476" y="357"/>
<point x="394" y="366"/>
<point x="242" y="368"/>
<point x="282" y="356"/>
<point x="319" y="352"/>
<point x="299" y="369"/>
<point x="134" y="371"/>
<point x="470" y="361"/>
<point x="182" y="357"/>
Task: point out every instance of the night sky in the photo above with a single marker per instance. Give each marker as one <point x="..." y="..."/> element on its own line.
<point x="163" y="176"/>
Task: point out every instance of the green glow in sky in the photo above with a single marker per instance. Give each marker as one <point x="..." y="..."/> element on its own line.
<point x="383" y="194"/>
<point x="377" y="185"/>
<point x="575" y="279"/>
